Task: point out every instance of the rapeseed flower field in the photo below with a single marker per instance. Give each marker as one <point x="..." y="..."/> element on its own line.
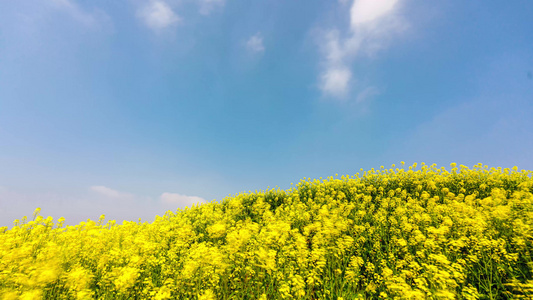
<point x="381" y="234"/>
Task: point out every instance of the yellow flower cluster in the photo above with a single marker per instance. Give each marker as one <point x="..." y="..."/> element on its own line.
<point x="387" y="234"/>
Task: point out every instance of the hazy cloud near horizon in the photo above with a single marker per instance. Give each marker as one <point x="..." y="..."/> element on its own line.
<point x="99" y="200"/>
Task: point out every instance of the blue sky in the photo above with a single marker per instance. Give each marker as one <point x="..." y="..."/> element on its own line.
<point x="130" y="108"/>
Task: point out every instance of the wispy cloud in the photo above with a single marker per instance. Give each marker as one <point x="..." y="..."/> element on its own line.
<point x="207" y="6"/>
<point x="372" y="24"/>
<point x="158" y="15"/>
<point x="255" y="43"/>
<point x="335" y="81"/>
<point x="94" y="19"/>
<point x="491" y="125"/>
<point x="366" y="94"/>
<point x="180" y="200"/>
<point x="108" y="192"/>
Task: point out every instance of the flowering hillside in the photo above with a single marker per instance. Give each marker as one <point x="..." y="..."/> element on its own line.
<point x="422" y="233"/>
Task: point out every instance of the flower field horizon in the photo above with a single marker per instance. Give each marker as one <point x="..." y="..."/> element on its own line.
<point x="394" y="233"/>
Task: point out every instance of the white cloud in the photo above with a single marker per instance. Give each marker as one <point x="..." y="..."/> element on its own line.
<point x="180" y="200"/>
<point x="158" y="15"/>
<point x="255" y="44"/>
<point x="372" y="24"/>
<point x="207" y="6"/>
<point x="335" y="81"/>
<point x="108" y="192"/>
<point x="333" y="49"/>
<point x="366" y="11"/>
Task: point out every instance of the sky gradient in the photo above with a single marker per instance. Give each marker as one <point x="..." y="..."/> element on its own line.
<point x="130" y="108"/>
